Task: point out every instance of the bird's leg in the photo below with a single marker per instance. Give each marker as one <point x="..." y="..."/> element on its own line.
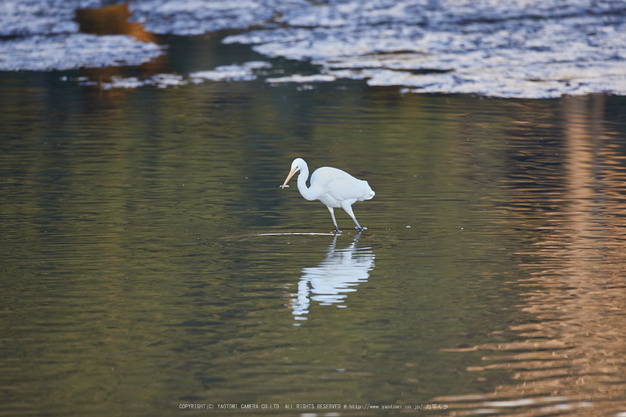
<point x="332" y="214"/>
<point x="348" y="209"/>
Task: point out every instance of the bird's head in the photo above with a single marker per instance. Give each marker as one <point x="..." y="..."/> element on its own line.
<point x="295" y="167"/>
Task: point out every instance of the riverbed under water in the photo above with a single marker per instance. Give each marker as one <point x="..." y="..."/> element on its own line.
<point x="151" y="260"/>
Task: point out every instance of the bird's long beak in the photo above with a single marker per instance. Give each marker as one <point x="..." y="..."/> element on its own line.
<point x="293" y="171"/>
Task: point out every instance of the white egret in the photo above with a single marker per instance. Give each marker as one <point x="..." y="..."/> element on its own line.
<point x="331" y="186"/>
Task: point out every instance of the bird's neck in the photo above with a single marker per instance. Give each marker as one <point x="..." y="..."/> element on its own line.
<point x="307" y="193"/>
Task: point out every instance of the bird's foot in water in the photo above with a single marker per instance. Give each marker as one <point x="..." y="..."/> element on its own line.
<point x="360" y="229"/>
<point x="337" y="231"/>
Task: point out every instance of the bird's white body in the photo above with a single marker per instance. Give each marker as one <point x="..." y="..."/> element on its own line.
<point x="333" y="187"/>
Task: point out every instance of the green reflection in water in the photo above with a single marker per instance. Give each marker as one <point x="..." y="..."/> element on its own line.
<point x="134" y="278"/>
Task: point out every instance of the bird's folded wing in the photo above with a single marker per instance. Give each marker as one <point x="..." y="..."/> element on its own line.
<point x="350" y="189"/>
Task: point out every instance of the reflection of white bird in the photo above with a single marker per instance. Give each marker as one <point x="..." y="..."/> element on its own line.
<point x="338" y="274"/>
<point x="331" y="186"/>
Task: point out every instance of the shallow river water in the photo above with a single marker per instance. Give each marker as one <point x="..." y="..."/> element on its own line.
<point x="153" y="266"/>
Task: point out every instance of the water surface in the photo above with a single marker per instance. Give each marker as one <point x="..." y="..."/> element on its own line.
<point x="520" y="49"/>
<point x="151" y="259"/>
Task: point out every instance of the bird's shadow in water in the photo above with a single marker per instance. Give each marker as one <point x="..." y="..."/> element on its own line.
<point x="335" y="276"/>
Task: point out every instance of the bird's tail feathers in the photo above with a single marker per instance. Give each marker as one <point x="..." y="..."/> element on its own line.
<point x="370" y="193"/>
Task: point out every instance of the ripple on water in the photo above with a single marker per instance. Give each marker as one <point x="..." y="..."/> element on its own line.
<point x="536" y="49"/>
<point x="570" y="360"/>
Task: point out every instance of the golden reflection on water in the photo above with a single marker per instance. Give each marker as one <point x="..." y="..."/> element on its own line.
<point x="112" y="20"/>
<point x="572" y="360"/>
